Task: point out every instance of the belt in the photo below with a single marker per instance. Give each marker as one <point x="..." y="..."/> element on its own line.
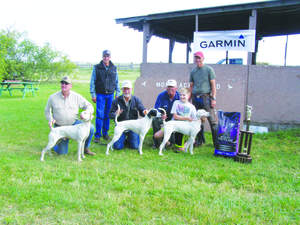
<point x="201" y="95"/>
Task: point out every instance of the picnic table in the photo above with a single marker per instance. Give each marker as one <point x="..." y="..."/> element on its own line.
<point x="23" y="86"/>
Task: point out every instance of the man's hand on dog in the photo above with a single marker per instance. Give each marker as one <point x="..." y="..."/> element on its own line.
<point x="145" y="112"/>
<point x="118" y="112"/>
<point x="51" y="123"/>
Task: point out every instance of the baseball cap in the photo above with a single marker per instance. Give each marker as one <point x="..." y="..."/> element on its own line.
<point x="106" y="52"/>
<point x="171" y="83"/>
<point x="199" y="54"/>
<point x="66" y="79"/>
<point x="126" y="84"/>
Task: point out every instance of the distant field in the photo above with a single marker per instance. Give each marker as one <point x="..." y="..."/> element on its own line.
<point x="84" y="74"/>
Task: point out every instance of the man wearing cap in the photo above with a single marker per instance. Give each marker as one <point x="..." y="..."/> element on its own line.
<point x="62" y="110"/>
<point x="165" y="100"/>
<point x="104" y="82"/>
<point x="130" y="107"/>
<point x="203" y="87"/>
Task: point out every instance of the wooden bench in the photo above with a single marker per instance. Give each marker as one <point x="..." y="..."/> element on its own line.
<point x="23" y="86"/>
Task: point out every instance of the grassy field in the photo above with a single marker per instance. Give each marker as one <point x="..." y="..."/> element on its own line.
<point x="126" y="188"/>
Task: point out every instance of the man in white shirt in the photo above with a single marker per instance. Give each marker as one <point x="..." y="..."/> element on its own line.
<point x="62" y="109"/>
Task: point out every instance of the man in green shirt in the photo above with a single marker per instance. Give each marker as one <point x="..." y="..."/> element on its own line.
<point x="203" y="87"/>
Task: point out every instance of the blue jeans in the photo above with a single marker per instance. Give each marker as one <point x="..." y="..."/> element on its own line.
<point x="62" y="147"/>
<point x="103" y="106"/>
<point x="133" y="140"/>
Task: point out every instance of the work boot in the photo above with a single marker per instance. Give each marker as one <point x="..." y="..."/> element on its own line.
<point x="97" y="140"/>
<point x="106" y="137"/>
<point x="214" y="135"/>
<point x="156" y="143"/>
<point x="201" y="135"/>
<point x="88" y="152"/>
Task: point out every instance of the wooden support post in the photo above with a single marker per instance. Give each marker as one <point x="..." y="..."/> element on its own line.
<point x="171" y="47"/>
<point x="252" y="26"/>
<point x="196" y="23"/>
<point x="188" y="50"/>
<point x="146" y="38"/>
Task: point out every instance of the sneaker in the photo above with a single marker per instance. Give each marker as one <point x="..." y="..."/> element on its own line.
<point x="180" y="150"/>
<point x="88" y="152"/>
<point x="106" y="137"/>
<point x="97" y="140"/>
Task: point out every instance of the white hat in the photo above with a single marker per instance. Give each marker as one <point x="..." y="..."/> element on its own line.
<point x="171" y="83"/>
<point x="126" y="84"/>
<point x="66" y="79"/>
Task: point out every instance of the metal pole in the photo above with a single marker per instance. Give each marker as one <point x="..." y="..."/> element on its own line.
<point x="196" y="23"/>
<point x="285" y="51"/>
<point x="226" y="57"/>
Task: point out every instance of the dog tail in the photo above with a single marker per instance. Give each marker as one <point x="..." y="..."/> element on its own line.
<point x="117" y="114"/>
<point x="164" y="112"/>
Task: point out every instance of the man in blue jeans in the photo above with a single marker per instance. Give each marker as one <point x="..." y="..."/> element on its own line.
<point x="130" y="107"/>
<point x="104" y="82"/>
<point x="62" y="110"/>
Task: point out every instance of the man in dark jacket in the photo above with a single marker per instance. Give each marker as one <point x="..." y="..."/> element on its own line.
<point x="104" y="82"/>
<point x="130" y="107"/>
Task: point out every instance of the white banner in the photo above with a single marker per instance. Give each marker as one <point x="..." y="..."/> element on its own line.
<point x="236" y="40"/>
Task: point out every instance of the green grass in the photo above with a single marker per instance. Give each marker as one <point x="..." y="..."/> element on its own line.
<point x="85" y="74"/>
<point x="126" y="188"/>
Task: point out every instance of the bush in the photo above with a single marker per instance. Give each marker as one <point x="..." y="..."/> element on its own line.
<point x="23" y="60"/>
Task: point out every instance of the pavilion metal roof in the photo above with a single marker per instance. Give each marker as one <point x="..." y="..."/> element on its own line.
<point x="273" y="18"/>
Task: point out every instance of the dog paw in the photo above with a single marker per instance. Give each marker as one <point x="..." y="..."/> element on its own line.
<point x="161" y="153"/>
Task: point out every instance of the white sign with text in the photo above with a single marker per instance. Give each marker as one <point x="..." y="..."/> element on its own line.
<point x="237" y="40"/>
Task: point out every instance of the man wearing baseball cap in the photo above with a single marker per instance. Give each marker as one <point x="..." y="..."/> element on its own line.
<point x="59" y="113"/>
<point x="130" y="107"/>
<point x="104" y="83"/>
<point x="165" y="100"/>
<point x="203" y="87"/>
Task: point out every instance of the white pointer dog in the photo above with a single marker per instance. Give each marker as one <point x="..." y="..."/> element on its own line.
<point x="184" y="127"/>
<point x="78" y="132"/>
<point x="139" y="126"/>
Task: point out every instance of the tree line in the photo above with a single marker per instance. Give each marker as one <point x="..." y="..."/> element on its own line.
<point x="21" y="59"/>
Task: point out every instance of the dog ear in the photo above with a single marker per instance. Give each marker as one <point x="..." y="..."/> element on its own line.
<point x="152" y="112"/>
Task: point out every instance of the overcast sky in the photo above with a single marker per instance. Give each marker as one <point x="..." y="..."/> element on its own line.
<point x="83" y="28"/>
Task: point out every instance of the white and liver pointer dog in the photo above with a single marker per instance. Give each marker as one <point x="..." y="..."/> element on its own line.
<point x="78" y="132"/>
<point x="139" y="126"/>
<point x="184" y="127"/>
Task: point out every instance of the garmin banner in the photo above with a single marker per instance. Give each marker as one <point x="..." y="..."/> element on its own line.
<point x="234" y="40"/>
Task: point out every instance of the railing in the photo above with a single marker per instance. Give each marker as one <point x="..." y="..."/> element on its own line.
<point x="130" y="66"/>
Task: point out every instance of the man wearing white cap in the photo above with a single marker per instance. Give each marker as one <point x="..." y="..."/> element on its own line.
<point x="104" y="82"/>
<point x="62" y="109"/>
<point x="130" y="107"/>
<point x="165" y="100"/>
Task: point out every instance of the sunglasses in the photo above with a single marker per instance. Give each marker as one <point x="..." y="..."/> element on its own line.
<point x="64" y="82"/>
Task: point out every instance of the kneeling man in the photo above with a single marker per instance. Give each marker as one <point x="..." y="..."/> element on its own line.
<point x="130" y="107"/>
